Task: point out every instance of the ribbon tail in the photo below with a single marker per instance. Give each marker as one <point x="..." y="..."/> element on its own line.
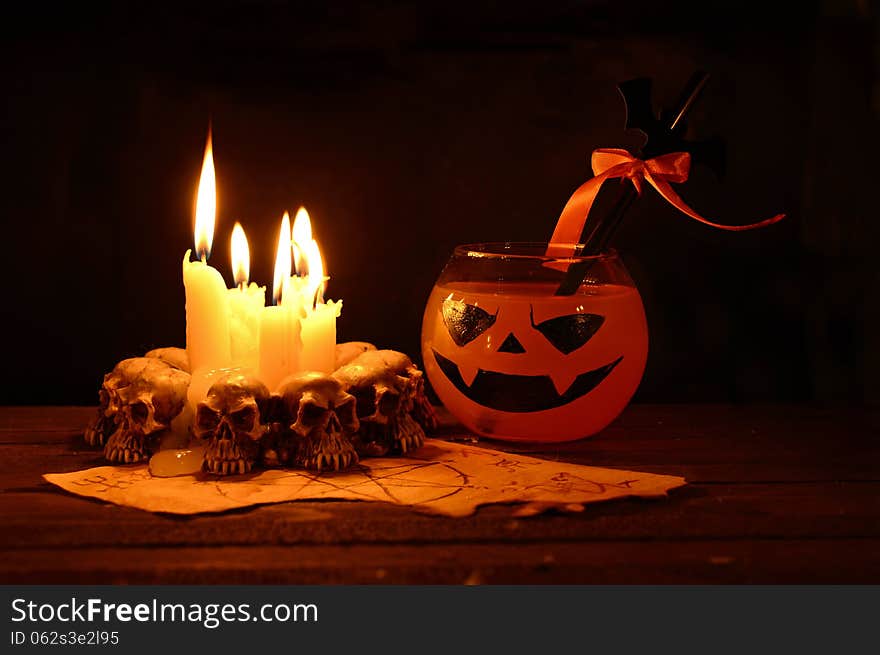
<point x="574" y="216"/>
<point x="665" y="190"/>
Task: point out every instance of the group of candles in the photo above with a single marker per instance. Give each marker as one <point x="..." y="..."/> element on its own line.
<point x="234" y="328"/>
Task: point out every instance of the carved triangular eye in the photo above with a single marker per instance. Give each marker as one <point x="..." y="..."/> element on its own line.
<point x="465" y="322"/>
<point x="570" y="332"/>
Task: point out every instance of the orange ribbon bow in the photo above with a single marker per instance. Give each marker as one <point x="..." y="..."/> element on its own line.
<point x="611" y="163"/>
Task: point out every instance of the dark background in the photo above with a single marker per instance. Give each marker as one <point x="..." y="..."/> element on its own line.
<point x="408" y="128"/>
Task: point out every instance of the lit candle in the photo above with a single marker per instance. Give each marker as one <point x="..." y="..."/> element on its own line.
<point x="245" y="306"/>
<point x="207" y="322"/>
<point x="280" y="344"/>
<point x="318" y="332"/>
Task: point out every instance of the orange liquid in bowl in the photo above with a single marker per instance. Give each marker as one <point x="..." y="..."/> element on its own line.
<point x="525" y="365"/>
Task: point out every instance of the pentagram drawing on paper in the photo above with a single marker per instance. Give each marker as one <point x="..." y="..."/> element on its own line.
<point x="410" y="481"/>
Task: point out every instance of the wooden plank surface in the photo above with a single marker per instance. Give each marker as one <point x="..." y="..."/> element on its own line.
<point x="775" y="494"/>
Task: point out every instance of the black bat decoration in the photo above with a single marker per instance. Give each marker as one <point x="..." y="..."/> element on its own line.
<point x="660" y="139"/>
<point x="664" y="133"/>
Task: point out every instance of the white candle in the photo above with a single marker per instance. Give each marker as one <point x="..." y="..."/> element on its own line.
<point x="245" y="309"/>
<point x="246" y="303"/>
<point x="207" y="322"/>
<point x="319" y="337"/>
<point x="280" y="344"/>
<point x="318" y="322"/>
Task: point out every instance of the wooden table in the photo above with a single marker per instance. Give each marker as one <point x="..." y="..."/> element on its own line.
<point x="776" y="494"/>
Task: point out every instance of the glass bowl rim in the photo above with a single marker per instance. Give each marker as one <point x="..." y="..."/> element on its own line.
<point x="505" y="250"/>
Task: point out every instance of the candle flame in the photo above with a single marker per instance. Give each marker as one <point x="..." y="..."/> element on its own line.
<point x="206" y="204"/>
<point x="282" y="259"/>
<point x="241" y="256"/>
<point x="317" y="281"/>
<point x="302" y="237"/>
<point x="307" y="257"/>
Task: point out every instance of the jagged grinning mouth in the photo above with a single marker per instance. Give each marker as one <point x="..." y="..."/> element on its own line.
<point x="521" y="393"/>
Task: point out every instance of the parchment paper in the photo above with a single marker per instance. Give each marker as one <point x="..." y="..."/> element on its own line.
<point x="440" y="478"/>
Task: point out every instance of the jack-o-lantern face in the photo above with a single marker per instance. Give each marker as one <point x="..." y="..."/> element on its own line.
<point x="511" y="392"/>
<point x="515" y="359"/>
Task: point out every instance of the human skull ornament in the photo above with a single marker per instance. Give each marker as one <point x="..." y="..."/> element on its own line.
<point x="104" y="423"/>
<point x="420" y="408"/>
<point x="229" y="422"/>
<point x="384" y="400"/>
<point x="144" y="395"/>
<point x="348" y="350"/>
<point x="177" y="357"/>
<point x="122" y="375"/>
<point x="323" y="416"/>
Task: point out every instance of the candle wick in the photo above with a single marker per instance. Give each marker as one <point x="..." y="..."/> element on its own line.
<point x="204" y="258"/>
<point x="241" y="285"/>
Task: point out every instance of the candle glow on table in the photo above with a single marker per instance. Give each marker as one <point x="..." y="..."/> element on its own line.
<point x="318" y="318"/>
<point x="207" y="314"/>
<point x="279" y="344"/>
<point x="246" y="303"/>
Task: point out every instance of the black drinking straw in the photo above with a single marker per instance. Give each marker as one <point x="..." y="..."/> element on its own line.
<point x="663" y="137"/>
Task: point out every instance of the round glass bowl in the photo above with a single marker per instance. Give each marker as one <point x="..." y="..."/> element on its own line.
<point x="513" y="360"/>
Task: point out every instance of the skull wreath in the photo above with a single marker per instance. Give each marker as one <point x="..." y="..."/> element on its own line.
<point x="373" y="404"/>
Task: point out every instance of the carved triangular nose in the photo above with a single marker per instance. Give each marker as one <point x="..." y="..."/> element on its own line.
<point x="511" y="345"/>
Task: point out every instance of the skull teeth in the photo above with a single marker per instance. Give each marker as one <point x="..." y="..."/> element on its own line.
<point x="94" y="437"/>
<point x="335" y="462"/>
<point x="228" y="466"/>
<point x="124" y="455"/>
<point x="410" y="434"/>
<point x="96" y="434"/>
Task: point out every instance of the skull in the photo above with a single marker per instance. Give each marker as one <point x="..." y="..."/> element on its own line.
<point x="124" y="374"/>
<point x="323" y="417"/>
<point x="177" y="357"/>
<point x="384" y="400"/>
<point x="104" y="423"/>
<point x="143" y="395"/>
<point x="229" y="420"/>
<point x="420" y="408"/>
<point x="348" y="350"/>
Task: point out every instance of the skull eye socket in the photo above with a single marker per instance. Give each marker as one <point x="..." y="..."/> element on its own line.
<point x="465" y="322"/>
<point x="570" y="332"/>
<point x="139" y="411"/>
<point x="388" y="402"/>
<point x="207" y="418"/>
<point x="312" y="413"/>
<point x="243" y="420"/>
<point x="346" y="412"/>
<point x="365" y="399"/>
